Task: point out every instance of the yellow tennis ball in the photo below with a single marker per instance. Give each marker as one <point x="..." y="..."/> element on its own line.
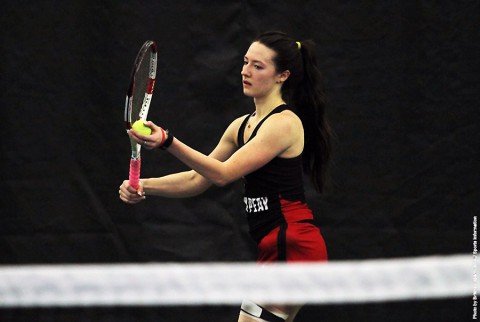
<point x="139" y="127"/>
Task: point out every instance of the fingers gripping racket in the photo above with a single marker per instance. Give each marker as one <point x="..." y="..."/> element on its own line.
<point x="139" y="96"/>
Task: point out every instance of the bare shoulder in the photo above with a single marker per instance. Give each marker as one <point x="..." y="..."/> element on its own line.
<point x="285" y="121"/>
<point x="238" y="121"/>
<point x="235" y="125"/>
<point x="283" y="132"/>
<point x="231" y="132"/>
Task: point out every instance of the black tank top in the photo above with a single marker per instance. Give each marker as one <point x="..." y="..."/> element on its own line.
<point x="269" y="188"/>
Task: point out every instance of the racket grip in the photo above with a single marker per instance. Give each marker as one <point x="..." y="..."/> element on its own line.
<point x="134" y="175"/>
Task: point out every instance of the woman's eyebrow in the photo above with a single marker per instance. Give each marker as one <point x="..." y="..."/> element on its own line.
<point x="254" y="60"/>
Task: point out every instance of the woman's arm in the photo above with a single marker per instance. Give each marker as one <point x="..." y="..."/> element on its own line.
<point x="191" y="183"/>
<point x="177" y="185"/>
<point x="280" y="135"/>
<point x="182" y="184"/>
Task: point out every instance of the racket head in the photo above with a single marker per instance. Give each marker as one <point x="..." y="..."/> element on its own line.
<point x="142" y="81"/>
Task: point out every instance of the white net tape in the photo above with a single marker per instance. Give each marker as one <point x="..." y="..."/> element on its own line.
<point x="218" y="284"/>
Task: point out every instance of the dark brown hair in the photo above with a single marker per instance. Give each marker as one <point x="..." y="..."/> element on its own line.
<point x="304" y="93"/>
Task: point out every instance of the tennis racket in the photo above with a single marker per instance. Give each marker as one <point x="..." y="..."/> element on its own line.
<point x="139" y="96"/>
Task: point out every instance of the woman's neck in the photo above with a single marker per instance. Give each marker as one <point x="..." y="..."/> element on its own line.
<point x="265" y="105"/>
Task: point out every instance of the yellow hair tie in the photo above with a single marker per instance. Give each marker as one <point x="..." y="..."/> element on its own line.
<point x="299" y="45"/>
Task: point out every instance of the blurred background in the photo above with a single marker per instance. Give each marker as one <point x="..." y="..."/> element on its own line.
<point x="403" y="87"/>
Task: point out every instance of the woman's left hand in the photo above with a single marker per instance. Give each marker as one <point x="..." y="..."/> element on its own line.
<point x="152" y="141"/>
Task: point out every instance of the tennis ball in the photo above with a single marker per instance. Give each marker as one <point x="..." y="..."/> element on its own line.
<point x="139" y="127"/>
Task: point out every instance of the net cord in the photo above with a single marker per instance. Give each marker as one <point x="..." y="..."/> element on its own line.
<point x="228" y="284"/>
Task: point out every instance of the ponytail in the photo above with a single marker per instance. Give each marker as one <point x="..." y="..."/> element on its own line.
<point x="304" y="93"/>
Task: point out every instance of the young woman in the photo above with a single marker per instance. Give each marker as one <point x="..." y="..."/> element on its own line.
<point x="286" y="135"/>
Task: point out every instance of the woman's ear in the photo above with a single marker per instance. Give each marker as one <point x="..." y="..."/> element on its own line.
<point x="283" y="76"/>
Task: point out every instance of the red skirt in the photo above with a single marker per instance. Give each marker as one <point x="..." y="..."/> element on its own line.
<point x="298" y="239"/>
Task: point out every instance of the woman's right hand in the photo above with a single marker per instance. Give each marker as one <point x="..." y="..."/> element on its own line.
<point x="129" y="194"/>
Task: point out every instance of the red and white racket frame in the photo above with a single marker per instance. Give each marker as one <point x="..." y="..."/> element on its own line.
<point x="147" y="51"/>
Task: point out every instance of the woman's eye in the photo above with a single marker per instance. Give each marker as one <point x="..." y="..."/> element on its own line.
<point x="256" y="66"/>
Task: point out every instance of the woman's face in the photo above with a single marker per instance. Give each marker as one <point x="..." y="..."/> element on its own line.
<point x="259" y="75"/>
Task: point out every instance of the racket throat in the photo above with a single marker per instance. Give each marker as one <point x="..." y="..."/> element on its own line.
<point x="135" y="155"/>
<point x="135" y="150"/>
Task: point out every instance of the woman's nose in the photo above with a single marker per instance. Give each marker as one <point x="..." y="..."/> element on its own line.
<point x="244" y="71"/>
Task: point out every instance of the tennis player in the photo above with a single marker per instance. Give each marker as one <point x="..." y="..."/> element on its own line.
<point x="286" y="135"/>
